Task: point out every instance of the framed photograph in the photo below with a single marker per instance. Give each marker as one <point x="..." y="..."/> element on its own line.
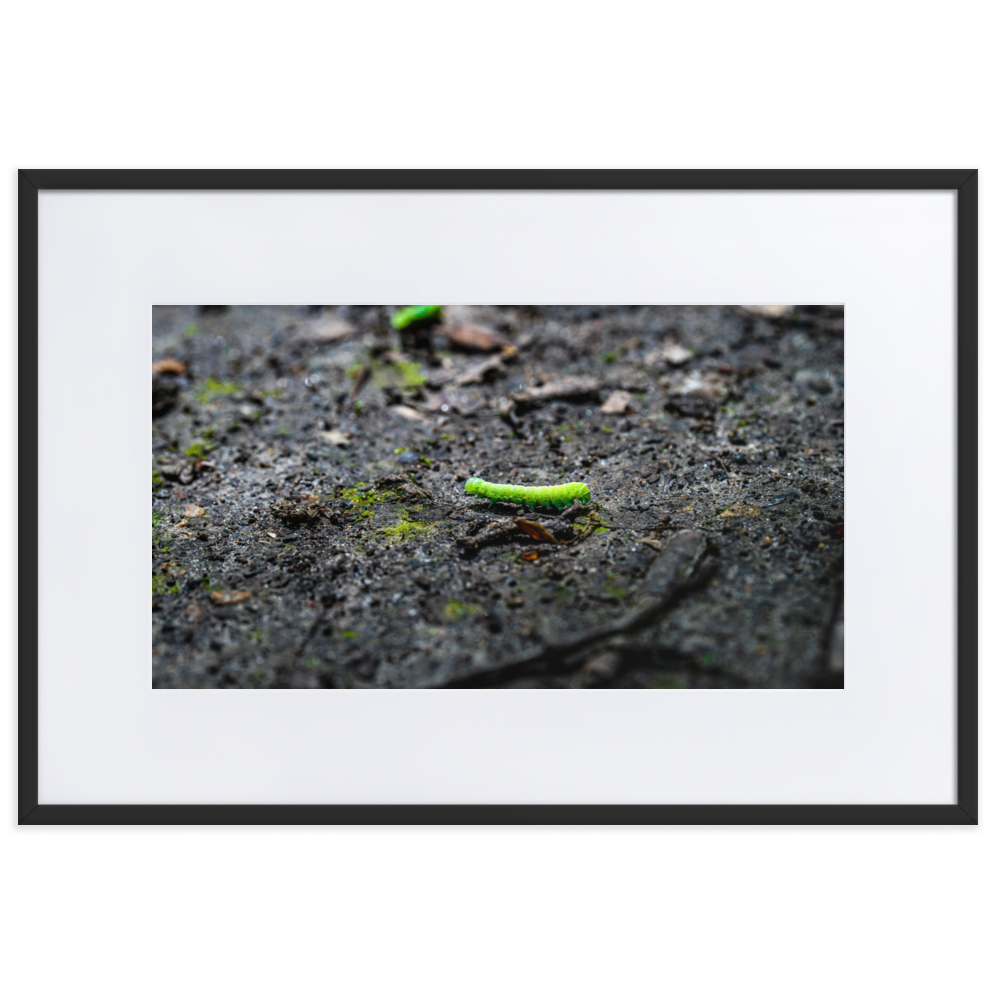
<point x="666" y="513"/>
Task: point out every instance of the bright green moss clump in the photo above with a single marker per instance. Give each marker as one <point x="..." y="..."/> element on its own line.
<point x="405" y="531"/>
<point x="453" y="610"/>
<point x="212" y="387"/>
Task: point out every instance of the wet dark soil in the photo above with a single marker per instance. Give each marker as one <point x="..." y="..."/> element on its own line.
<point x="310" y="527"/>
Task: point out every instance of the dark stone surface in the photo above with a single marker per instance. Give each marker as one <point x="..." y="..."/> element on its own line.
<point x="330" y="466"/>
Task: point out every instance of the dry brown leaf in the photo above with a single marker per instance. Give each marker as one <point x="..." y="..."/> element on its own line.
<point x="653" y="543"/>
<point x="604" y="665"/>
<point x="672" y="353"/>
<point x="535" y="530"/>
<point x="171" y="365"/>
<point x="710" y="386"/>
<point x="337" y="438"/>
<point x="572" y="388"/>
<point x="407" y="412"/>
<point x="477" y="372"/>
<point x="329" y="330"/>
<point x="618" y="402"/>
<point x="193" y="510"/>
<point x="530" y="556"/>
<point x="675" y="354"/>
<point x="228" y="596"/>
<point x="476" y="338"/>
<point x="771" y="312"/>
<point x="411" y="489"/>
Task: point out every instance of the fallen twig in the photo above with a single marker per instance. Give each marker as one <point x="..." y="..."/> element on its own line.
<point x="717" y="458"/>
<point x="677" y="569"/>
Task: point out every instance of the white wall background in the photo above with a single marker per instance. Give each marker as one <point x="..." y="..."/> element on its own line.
<point x="106" y="736"/>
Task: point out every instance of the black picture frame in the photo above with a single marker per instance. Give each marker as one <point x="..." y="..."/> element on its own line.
<point x="963" y="182"/>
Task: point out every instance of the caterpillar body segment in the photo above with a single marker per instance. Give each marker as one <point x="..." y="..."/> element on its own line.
<point x="414" y="315"/>
<point x="563" y="495"/>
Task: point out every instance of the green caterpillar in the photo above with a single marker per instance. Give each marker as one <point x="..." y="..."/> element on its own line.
<point x="532" y="496"/>
<point x="412" y="315"/>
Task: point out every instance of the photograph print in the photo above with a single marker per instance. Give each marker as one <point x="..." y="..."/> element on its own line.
<point x="457" y="496"/>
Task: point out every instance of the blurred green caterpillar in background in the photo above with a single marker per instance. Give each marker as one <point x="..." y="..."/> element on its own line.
<point x="412" y="315"/>
<point x="532" y="496"/>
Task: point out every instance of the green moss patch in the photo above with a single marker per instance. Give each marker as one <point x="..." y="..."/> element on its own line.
<point x="160" y="586"/>
<point x="212" y="387"/>
<point x="455" y="609"/>
<point x="406" y="531"/>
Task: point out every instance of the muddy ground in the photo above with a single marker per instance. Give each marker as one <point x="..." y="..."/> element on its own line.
<point x="310" y="527"/>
